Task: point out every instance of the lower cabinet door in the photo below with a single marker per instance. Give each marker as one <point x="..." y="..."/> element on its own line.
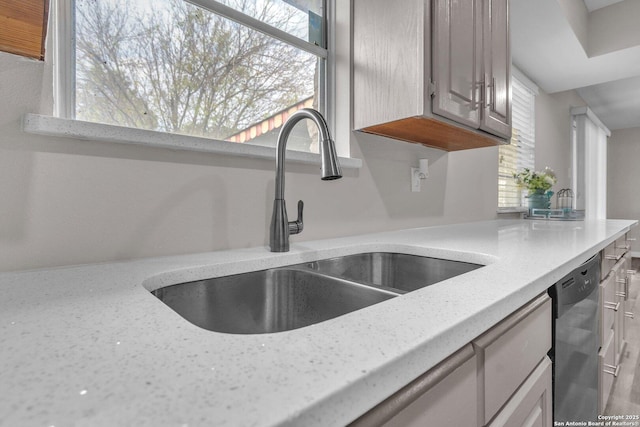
<point x="608" y="370"/>
<point x="531" y="405"/>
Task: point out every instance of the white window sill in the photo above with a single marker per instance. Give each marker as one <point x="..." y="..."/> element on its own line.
<point x="512" y="210"/>
<point x="54" y="126"/>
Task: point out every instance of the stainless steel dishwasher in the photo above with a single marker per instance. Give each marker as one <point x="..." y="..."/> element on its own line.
<point x="576" y="343"/>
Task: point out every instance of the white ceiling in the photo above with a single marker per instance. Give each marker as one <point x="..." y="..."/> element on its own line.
<point x="593" y="47"/>
<point x="599" y="4"/>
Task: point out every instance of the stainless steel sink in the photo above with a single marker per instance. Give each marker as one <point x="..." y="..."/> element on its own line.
<point x="287" y="298"/>
<point x="392" y="270"/>
<point x="268" y="301"/>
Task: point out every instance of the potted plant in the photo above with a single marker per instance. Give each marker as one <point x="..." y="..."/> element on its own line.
<point x="538" y="185"/>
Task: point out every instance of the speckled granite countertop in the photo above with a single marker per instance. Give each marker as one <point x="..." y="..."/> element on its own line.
<point x="91" y="346"/>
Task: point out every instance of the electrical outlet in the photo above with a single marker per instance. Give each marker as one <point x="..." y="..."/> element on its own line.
<point x="415" y="180"/>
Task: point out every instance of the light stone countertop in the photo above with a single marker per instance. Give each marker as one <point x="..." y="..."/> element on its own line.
<point x="91" y="346"/>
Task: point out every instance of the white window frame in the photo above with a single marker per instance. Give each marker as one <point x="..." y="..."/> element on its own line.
<point x="525" y="152"/>
<point x="589" y="162"/>
<point x="63" y="122"/>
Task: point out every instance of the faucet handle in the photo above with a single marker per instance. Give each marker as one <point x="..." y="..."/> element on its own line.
<point x="296" y="226"/>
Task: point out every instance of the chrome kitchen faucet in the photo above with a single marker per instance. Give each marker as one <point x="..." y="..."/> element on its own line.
<point x="281" y="227"/>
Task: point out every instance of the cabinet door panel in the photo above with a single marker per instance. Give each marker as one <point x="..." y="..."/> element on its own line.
<point x="457" y="41"/>
<point x="606" y="360"/>
<point x="530" y="406"/>
<point x="497" y="68"/>
<point x="608" y="302"/>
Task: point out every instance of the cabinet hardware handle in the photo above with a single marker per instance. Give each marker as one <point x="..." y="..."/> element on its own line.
<point x="480" y="102"/>
<point x="615" y="368"/>
<point x="491" y="105"/>
<point x="631" y="239"/>
<point x="625" y="293"/>
<point x="628" y="314"/>
<point x="626" y="287"/>
<point x="612" y="305"/>
<point x="614" y="257"/>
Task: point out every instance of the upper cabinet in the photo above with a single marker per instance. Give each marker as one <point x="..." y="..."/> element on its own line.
<point x="433" y="72"/>
<point x="496" y="117"/>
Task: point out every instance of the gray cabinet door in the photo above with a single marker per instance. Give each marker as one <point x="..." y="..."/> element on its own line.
<point x="497" y="68"/>
<point x="531" y="405"/>
<point x="456" y="60"/>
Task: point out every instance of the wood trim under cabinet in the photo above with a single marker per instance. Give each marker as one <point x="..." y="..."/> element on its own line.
<point x="412" y="391"/>
<point x="434" y="133"/>
<point x="23" y="27"/>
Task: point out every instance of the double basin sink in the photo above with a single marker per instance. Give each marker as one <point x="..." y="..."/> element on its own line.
<point x="286" y="298"/>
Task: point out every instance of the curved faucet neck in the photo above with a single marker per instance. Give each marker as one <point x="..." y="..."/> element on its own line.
<point x="283" y="137"/>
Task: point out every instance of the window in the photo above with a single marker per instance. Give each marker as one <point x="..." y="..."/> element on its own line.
<point x="229" y="70"/>
<point x="521" y="152"/>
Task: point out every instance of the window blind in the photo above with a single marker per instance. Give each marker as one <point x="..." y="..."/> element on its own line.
<point x="23" y="27"/>
<point x="520" y="153"/>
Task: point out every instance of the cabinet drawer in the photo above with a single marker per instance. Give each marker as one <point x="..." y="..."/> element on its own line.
<point x="622" y="243"/>
<point x="510" y="351"/>
<point x="452" y="402"/>
<point x="531" y="405"/>
<point x="607" y="371"/>
<point x="444" y="396"/>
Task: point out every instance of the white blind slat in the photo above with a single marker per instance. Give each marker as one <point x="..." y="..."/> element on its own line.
<point x="521" y="152"/>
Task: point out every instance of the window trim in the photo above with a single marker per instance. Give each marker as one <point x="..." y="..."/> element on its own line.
<point x="99" y="132"/>
<point x="256" y="24"/>
<point x="63" y="21"/>
<point x="64" y="59"/>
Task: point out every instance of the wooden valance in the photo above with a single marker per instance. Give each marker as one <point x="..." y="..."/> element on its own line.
<point x="23" y="27"/>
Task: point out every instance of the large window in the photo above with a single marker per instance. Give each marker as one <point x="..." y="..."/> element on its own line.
<point x="229" y="70"/>
<point x="520" y="153"/>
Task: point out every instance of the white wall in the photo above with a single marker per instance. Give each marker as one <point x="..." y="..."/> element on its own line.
<point x="623" y="177"/>
<point x="553" y="133"/>
<point x="65" y="201"/>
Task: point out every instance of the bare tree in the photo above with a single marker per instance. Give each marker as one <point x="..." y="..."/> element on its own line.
<point x="184" y="70"/>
